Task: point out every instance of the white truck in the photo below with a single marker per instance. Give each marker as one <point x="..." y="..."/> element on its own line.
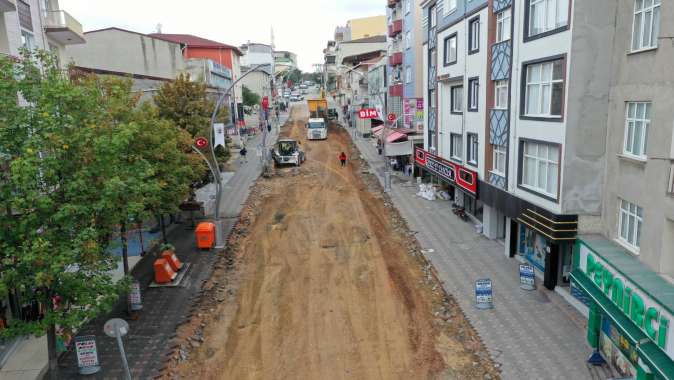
<point x="316" y="129"/>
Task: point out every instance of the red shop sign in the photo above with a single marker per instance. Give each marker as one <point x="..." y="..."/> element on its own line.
<point x="367" y="113"/>
<point x="449" y="171"/>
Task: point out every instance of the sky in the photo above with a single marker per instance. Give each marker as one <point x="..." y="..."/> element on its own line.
<point x="300" y="26"/>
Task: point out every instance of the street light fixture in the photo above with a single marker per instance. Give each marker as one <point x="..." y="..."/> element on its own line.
<point x="387" y="163"/>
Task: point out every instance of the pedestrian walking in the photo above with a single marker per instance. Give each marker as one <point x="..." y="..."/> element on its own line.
<point x="342" y="158"/>
<point x="242" y="153"/>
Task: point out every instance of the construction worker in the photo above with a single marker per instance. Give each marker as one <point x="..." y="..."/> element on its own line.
<point x="342" y="158"/>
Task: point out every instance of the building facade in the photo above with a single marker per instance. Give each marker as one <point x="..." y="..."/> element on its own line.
<point x="229" y="56"/>
<point x="543" y="123"/>
<point x="365" y="27"/>
<point x="284" y="61"/>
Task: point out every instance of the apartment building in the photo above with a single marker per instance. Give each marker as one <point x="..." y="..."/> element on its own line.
<point x="37" y="24"/>
<point x="364" y="27"/>
<point x="574" y="152"/>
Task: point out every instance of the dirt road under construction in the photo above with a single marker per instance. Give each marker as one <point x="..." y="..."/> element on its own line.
<point x="323" y="280"/>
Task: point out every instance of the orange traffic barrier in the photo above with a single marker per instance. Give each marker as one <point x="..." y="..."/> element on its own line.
<point x="205" y="234"/>
<point x="163" y="273"/>
<point x="172" y="259"/>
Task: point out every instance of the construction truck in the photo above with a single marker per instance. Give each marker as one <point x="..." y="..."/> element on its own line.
<point x="317" y="127"/>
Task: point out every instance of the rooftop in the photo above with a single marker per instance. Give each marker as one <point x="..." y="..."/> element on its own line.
<point x="194" y="41"/>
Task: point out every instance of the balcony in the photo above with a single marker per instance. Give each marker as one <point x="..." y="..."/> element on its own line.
<point x="7" y="6"/>
<point x="395" y="59"/>
<point x="393" y="3"/>
<point x="63" y="28"/>
<point x="395" y="28"/>
<point x="395" y="90"/>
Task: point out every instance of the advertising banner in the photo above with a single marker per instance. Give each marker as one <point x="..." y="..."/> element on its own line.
<point x="87" y="354"/>
<point x="527" y="277"/>
<point x="483" y="293"/>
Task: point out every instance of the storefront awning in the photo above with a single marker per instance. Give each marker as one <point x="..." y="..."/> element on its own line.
<point x="396" y="137"/>
<point x="377" y="129"/>
<point x="398" y="149"/>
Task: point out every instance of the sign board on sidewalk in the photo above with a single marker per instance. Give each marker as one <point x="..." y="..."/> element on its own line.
<point x="483" y="294"/>
<point x="367" y="113"/>
<point x="527" y="277"/>
<point x="135" y="300"/>
<point x="87" y="354"/>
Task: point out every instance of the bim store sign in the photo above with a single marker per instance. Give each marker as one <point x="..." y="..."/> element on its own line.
<point x="455" y="174"/>
<point x="635" y="299"/>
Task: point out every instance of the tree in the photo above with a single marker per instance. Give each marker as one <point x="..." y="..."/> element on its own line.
<point x="186" y="104"/>
<point x="55" y="227"/>
<point x="295" y="76"/>
<point x="250" y="98"/>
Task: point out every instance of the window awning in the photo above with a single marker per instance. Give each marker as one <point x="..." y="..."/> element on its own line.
<point x="396" y="137"/>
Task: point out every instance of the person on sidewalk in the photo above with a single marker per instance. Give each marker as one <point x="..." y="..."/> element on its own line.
<point x="242" y="153"/>
<point x="342" y="158"/>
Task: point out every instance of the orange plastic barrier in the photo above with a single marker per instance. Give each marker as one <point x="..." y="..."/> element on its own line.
<point x="172" y="259"/>
<point x="205" y="234"/>
<point x="163" y="273"/>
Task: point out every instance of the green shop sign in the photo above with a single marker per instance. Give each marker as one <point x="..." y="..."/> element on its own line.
<point x="645" y="312"/>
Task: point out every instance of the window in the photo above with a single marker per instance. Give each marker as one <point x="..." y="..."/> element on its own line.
<point x="27" y="40"/>
<point x="499" y="164"/>
<point x="408" y="40"/>
<point x="449" y="6"/>
<point x="455" y="146"/>
<point x="457" y="99"/>
<point x="503" y="26"/>
<point x="474" y="35"/>
<point x="472" y="149"/>
<point x="473" y="94"/>
<point x="637" y="121"/>
<point x="450" y="49"/>
<point x="25" y="17"/>
<point x="544" y="89"/>
<point x="408" y="74"/>
<point x="501" y="94"/>
<point x="434" y="16"/>
<point x="547" y="15"/>
<point x="540" y="167"/>
<point x="631" y="219"/>
<point x="646" y="27"/>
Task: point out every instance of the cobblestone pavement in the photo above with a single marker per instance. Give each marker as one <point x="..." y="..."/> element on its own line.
<point x="533" y="335"/>
<point x="148" y="343"/>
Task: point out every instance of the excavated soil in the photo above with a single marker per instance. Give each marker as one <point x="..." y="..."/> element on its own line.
<point x="323" y="280"/>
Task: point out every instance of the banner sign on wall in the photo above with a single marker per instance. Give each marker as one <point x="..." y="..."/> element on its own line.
<point x="463" y="177"/>
<point x="413" y="111"/>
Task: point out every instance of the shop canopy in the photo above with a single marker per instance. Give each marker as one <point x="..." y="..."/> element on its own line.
<point x="396" y="137"/>
<point x="376" y="130"/>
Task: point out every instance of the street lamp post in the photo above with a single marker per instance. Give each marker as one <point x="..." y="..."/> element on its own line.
<point x="387" y="163"/>
<point x="218" y="182"/>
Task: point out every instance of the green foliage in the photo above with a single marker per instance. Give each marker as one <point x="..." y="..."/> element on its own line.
<point x="250" y="98"/>
<point x="77" y="158"/>
<point x="185" y="103"/>
<point x="295" y="76"/>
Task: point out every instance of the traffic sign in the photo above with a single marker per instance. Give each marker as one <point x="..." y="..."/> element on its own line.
<point x="201" y="142"/>
<point x="392" y="117"/>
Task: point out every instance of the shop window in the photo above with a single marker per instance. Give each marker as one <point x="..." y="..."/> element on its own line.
<point x="473" y="207"/>
<point x="533" y="246"/>
<point x="617" y="350"/>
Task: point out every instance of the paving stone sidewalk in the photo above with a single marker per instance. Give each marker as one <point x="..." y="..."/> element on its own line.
<point x="531" y="335"/>
<point x="148" y="343"/>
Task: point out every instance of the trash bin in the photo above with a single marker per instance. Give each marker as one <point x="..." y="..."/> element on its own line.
<point x="205" y="234"/>
<point x="162" y="272"/>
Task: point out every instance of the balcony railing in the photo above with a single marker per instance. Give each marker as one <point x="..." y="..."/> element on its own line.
<point x="7" y="6"/>
<point x="395" y="59"/>
<point x="395" y="28"/>
<point x="63" y="27"/>
<point x="395" y="90"/>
